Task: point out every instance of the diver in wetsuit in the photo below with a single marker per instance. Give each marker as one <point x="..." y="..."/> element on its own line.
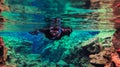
<point x="55" y="31"/>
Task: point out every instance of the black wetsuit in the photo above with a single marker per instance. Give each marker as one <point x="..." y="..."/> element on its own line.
<point x="55" y="26"/>
<point x="49" y="35"/>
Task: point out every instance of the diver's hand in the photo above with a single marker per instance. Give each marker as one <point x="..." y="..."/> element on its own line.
<point x="34" y="32"/>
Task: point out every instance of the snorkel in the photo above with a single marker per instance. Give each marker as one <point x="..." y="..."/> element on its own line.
<point x="55" y="28"/>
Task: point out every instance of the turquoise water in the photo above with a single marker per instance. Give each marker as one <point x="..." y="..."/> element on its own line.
<point x="27" y="50"/>
<point x="39" y="44"/>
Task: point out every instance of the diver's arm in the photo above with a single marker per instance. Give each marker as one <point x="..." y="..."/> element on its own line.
<point x="66" y="31"/>
<point x="35" y="32"/>
<point x="43" y="30"/>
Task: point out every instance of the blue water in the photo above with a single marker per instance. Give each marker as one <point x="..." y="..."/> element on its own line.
<point x="40" y="39"/>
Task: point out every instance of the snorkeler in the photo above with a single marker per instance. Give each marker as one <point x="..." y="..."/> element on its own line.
<point x="55" y="31"/>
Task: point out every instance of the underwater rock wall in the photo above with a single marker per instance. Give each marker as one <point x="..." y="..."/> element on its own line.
<point x="26" y="50"/>
<point x="81" y="15"/>
<point x="3" y="8"/>
<point x="24" y="44"/>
